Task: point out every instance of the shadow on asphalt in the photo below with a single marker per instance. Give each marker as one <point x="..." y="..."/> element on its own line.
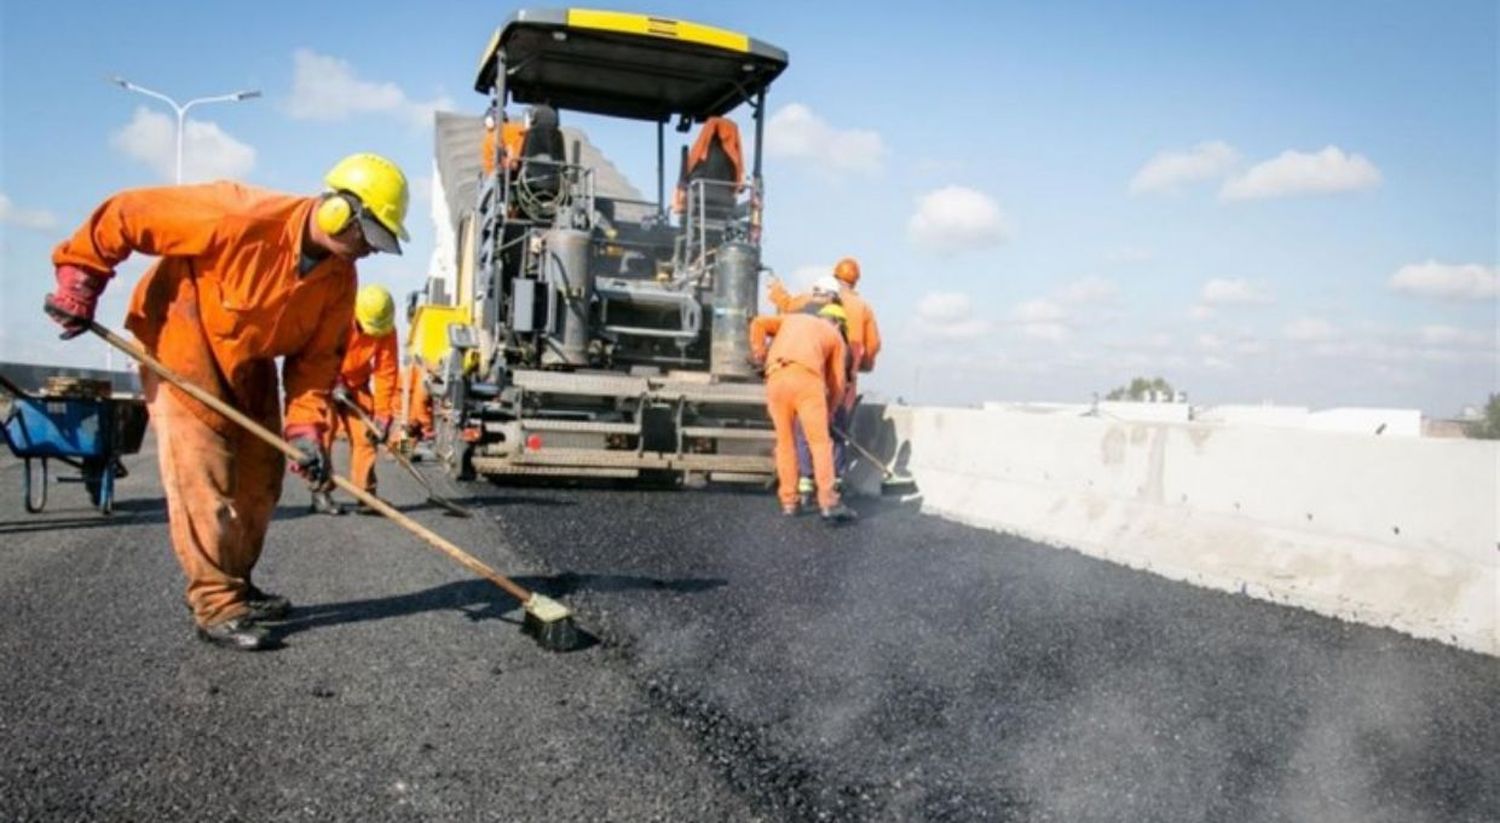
<point x="135" y="510"/>
<point x="479" y="600"/>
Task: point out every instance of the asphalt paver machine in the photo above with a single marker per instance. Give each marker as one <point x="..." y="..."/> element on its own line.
<point x="585" y="330"/>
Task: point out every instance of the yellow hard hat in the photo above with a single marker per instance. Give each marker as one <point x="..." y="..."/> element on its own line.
<point x="381" y="189"/>
<point x="375" y="311"/>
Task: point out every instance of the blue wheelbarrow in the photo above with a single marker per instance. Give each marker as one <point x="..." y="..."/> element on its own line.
<point x="88" y="433"/>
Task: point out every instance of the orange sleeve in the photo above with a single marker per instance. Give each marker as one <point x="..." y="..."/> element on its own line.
<point x="833" y="367"/>
<point x="871" y="342"/>
<point x="386" y="376"/>
<point x="763" y="326"/>
<point x="309" y="375"/>
<point x="779" y="296"/>
<point x="171" y="220"/>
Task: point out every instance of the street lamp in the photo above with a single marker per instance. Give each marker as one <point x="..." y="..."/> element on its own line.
<point x="182" y="109"/>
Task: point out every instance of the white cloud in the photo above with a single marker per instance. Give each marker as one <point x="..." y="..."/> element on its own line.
<point x="949" y="316"/>
<point x="1294" y="172"/>
<point x="39" y="219"/>
<point x="802" y="277"/>
<point x="954" y="219"/>
<point x="1089" y="290"/>
<point x="327" y="88"/>
<point x="1214" y="363"/>
<point x="208" y="152"/>
<point x="1200" y="312"/>
<point x="1309" y="330"/>
<point x="1451" y="336"/>
<point x="1444" y="281"/>
<point x="1168" y="171"/>
<point x="1227" y="292"/>
<point x="1041" y="319"/>
<point x="796" y="132"/>
<point x="1210" y="342"/>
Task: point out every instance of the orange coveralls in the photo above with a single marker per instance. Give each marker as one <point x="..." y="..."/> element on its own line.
<point x="864" y="333"/>
<point x="366" y="357"/>
<point x="223" y="302"/>
<point x="804" y="375"/>
<point x="418" y="399"/>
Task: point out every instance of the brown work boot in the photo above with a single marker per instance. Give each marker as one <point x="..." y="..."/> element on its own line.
<point x="241" y="634"/>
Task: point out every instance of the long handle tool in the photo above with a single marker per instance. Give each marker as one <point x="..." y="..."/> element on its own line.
<point x="547" y="620"/>
<point x="890" y="481"/>
<point x="343" y="399"/>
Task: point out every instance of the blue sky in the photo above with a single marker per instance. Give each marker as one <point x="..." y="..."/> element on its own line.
<point x="1293" y="202"/>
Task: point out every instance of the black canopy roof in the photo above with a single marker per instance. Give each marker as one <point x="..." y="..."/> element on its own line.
<point x="627" y="65"/>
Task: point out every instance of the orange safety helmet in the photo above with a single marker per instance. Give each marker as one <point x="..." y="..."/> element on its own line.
<point x="847" y="270"/>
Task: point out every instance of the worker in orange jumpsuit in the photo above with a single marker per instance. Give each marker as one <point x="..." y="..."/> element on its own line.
<point x="245" y="276"/>
<point x="804" y="370"/>
<point x="864" y="345"/>
<point x="367" y="380"/>
<point x="511" y="136"/>
<point x="418" y="401"/>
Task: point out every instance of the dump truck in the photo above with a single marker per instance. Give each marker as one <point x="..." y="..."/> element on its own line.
<point x="573" y="327"/>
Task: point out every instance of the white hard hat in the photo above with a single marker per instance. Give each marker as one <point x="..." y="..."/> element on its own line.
<point x="826" y="284"/>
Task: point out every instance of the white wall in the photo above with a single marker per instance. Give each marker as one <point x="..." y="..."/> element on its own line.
<point x="1396" y="532"/>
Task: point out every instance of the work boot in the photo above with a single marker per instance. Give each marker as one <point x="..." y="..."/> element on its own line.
<point x="361" y="508"/>
<point x="242" y="634"/>
<point x="323" y="503"/>
<point x="838" y="514"/>
<point x="266" y="605"/>
<point x="790" y="509"/>
<point x="806" y="489"/>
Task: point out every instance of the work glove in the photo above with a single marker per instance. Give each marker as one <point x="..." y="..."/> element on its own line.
<point x="313" y="466"/>
<point x="381" y="432"/>
<point x="341" y="394"/>
<point x="72" y="304"/>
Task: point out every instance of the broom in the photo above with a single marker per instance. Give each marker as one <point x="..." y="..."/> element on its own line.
<point x="548" y="621"/>
<point x="342" y="397"/>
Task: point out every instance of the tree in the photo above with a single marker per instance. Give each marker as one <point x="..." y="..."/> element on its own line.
<point x="1488" y="426"/>
<point x="1140" y="388"/>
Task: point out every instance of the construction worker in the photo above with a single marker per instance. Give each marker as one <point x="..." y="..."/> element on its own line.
<point x="804" y="370"/>
<point x="864" y="346"/>
<point x="368" y="379"/>
<point x="245" y="276"/>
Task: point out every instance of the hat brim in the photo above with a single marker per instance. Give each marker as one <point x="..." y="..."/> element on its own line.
<point x="378" y="236"/>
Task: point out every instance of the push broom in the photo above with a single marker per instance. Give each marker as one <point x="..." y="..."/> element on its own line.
<point x="548" y="621"/>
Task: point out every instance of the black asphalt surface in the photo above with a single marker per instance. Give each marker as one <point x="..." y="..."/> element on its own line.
<point x="746" y="667"/>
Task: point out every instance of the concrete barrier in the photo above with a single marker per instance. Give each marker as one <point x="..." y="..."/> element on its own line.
<point x="1396" y="532"/>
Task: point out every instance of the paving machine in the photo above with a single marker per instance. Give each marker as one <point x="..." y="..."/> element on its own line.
<point x="581" y="329"/>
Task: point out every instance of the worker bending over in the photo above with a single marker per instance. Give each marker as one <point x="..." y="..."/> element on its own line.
<point x="804" y="370"/>
<point x="864" y="346"/>
<point x="245" y="276"/>
<point x="368" y="379"/>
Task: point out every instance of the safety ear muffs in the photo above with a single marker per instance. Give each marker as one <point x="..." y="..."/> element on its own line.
<point x="334" y="213"/>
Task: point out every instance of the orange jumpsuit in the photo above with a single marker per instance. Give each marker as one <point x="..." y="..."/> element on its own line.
<point x="223" y="302"/>
<point x="418" y="399"/>
<point x="864" y="333"/>
<point x="512" y="136"/>
<point x="367" y="360"/>
<point x="804" y="375"/>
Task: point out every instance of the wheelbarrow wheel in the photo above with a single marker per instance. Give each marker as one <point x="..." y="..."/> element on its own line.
<point x="35" y="487"/>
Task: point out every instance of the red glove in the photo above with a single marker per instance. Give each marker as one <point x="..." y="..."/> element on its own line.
<point x="315" y="462"/>
<point x="72" y="304"/>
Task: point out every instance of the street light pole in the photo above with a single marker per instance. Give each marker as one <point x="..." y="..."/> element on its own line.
<point x="182" y="109"/>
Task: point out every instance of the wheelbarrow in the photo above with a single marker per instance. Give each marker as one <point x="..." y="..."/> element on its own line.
<point x="88" y="431"/>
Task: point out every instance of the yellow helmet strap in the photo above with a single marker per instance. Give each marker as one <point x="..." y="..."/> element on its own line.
<point x="334" y="213"/>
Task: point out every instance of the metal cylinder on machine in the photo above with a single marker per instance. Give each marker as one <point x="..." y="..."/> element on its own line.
<point x="570" y="292"/>
<point x="736" y="284"/>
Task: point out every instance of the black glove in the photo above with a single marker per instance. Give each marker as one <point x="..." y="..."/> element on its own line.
<point x="380" y="432"/>
<point x="314" y="464"/>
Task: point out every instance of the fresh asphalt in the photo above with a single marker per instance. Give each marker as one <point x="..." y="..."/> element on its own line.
<point x="743" y="666"/>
